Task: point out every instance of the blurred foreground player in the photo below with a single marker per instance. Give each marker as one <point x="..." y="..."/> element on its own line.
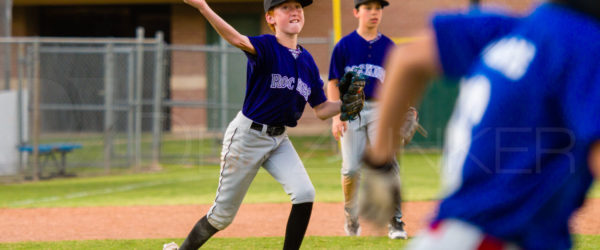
<point x="523" y="142"/>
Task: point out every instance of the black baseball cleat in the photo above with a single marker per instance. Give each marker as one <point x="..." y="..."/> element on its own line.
<point x="396" y="229"/>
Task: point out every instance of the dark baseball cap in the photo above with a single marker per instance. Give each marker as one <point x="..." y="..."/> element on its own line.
<point x="272" y="3"/>
<point x="359" y="2"/>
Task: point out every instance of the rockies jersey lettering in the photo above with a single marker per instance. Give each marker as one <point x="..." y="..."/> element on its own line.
<point x="353" y="52"/>
<point x="515" y="159"/>
<point x="279" y="84"/>
<point x="370" y="70"/>
<point x="303" y="89"/>
<point x="283" y="82"/>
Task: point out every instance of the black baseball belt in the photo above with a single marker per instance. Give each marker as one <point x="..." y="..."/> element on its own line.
<point x="271" y="130"/>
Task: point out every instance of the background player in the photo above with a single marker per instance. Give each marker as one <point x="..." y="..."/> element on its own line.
<point x="282" y="77"/>
<point x="525" y="129"/>
<point x="362" y="50"/>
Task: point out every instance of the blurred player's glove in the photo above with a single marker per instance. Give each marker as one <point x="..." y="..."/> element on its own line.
<point x="411" y="125"/>
<point x="352" y="95"/>
<point x="380" y="192"/>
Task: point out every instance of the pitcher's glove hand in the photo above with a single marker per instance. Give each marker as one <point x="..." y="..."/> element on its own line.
<point x="380" y="194"/>
<point x="411" y="123"/>
<point x="351" y="88"/>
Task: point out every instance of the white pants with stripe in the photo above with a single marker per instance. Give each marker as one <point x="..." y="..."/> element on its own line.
<point x="360" y="133"/>
<point x="245" y="150"/>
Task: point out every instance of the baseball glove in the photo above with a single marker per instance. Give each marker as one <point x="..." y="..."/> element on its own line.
<point x="380" y="194"/>
<point x="351" y="92"/>
<point x="411" y="126"/>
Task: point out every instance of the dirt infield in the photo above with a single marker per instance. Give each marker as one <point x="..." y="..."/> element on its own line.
<point x="253" y="220"/>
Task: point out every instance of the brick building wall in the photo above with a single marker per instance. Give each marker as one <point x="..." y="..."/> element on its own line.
<point x="188" y="72"/>
<point x="188" y="79"/>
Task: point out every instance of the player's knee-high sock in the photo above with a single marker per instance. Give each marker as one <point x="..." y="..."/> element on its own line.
<point x="296" y="226"/>
<point x="201" y="232"/>
<point x="349" y="187"/>
<point x="398" y="213"/>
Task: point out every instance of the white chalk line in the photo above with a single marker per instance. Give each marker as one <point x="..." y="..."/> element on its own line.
<point x="103" y="191"/>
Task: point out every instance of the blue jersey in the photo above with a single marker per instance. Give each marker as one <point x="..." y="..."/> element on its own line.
<point x="278" y="84"/>
<point x="367" y="57"/>
<point x="516" y="149"/>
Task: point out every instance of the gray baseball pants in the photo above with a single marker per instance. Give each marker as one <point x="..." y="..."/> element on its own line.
<point x="245" y="150"/>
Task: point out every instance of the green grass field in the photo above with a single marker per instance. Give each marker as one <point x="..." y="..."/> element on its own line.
<point x="185" y="184"/>
<point x="221" y="243"/>
<point x="172" y="185"/>
<point x="582" y="242"/>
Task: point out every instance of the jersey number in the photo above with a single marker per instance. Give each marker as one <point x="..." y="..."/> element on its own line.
<point x="470" y="107"/>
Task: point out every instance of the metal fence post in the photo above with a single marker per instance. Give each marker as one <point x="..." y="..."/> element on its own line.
<point x="130" y="107"/>
<point x="139" y="79"/>
<point x="223" y="83"/>
<point x="109" y="124"/>
<point x="36" y="110"/>
<point x="157" y="102"/>
<point x="7" y="32"/>
<point x="21" y="76"/>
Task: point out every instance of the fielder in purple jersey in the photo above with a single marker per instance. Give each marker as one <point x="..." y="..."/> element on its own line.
<point x="365" y="55"/>
<point x="281" y="78"/>
<point x="523" y="143"/>
<point x="362" y="51"/>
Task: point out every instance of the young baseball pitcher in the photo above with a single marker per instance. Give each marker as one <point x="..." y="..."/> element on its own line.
<point x="521" y="151"/>
<point x="363" y="51"/>
<point x="282" y="77"/>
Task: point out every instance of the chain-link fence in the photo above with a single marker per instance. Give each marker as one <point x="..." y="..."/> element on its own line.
<point x="99" y="96"/>
<point x="106" y="105"/>
<point x="109" y="105"/>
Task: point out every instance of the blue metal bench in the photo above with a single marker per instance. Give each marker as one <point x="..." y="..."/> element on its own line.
<point x="48" y="152"/>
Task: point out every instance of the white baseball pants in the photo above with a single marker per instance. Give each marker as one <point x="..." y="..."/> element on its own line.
<point x="245" y="150"/>
<point x="360" y="133"/>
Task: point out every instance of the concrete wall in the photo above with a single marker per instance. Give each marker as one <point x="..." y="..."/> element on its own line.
<point x="9" y="130"/>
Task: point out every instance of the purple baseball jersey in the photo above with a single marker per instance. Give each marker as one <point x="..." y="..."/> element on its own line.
<point x="353" y="52"/>
<point x="280" y="83"/>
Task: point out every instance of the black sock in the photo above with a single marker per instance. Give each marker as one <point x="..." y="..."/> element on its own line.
<point x="201" y="232"/>
<point x="296" y="226"/>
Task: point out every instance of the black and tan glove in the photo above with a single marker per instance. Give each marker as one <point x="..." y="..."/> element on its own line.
<point x="351" y="88"/>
